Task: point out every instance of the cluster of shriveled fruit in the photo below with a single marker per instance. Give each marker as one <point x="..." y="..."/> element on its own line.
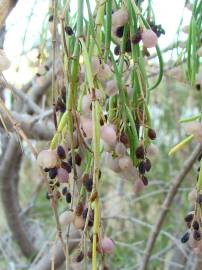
<point x="193" y="219"/>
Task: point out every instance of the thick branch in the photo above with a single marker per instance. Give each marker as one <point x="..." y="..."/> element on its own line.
<point x="38" y="130"/>
<point x="9" y="173"/>
<point x="167" y="203"/>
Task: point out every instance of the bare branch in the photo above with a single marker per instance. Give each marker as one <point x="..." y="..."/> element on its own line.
<point x="9" y="171"/>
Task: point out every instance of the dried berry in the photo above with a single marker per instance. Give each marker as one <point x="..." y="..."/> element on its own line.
<point x="80" y="257"/>
<point x="144" y="180"/>
<point x="147" y="164"/>
<point x="69" y="31"/>
<point x="66" y="166"/>
<point x="85" y="212"/>
<point x="140" y="152"/>
<point x="195" y="225"/>
<point x="128" y="46"/>
<point x="68" y="197"/>
<point x="185" y="237"/>
<point x="52" y="173"/>
<point x="151" y="134"/>
<point x="64" y="191"/>
<point x="141" y="167"/>
<point x="89" y="184"/>
<point x="61" y="152"/>
<point x="196" y="235"/>
<point x="78" y="159"/>
<point x="189" y="217"/>
<point x="119" y="31"/>
<point x="79" y="209"/>
<point x="124" y="138"/>
<point x="136" y="39"/>
<point x="117" y="50"/>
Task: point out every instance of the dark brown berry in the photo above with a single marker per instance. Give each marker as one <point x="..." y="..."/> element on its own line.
<point x="52" y="173"/>
<point x="141" y="167"/>
<point x="66" y="166"/>
<point x="195" y="225"/>
<point x="144" y="180"/>
<point x="117" y="50"/>
<point x="196" y="235"/>
<point x="68" y="197"/>
<point x="69" y="31"/>
<point x="147" y="165"/>
<point x="79" y="209"/>
<point x="89" y="184"/>
<point x="137" y="38"/>
<point x="61" y="152"/>
<point x="185" y="237"/>
<point x="189" y="217"/>
<point x="46" y="169"/>
<point x="128" y="46"/>
<point x="78" y="159"/>
<point x="93" y="196"/>
<point x="119" y="31"/>
<point x="80" y="257"/>
<point x="124" y="138"/>
<point x="140" y="152"/>
<point x="64" y="191"/>
<point x="105" y="268"/>
<point x="151" y="134"/>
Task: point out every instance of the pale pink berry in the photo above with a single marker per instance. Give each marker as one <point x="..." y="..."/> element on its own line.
<point x="138" y="186"/>
<point x="86" y="104"/>
<point x="120" y="17"/>
<point x="47" y="159"/>
<point x="104" y="73"/>
<point x="149" y="38"/>
<point x="95" y="65"/>
<point x="79" y="222"/>
<point x="130" y="174"/>
<point x="199" y="52"/>
<point x="4" y="61"/>
<point x="108" y="134"/>
<point x="87" y="127"/>
<point x="120" y="149"/>
<point x="112" y="163"/>
<point x="107" y="245"/>
<point x="62" y="175"/>
<point x="185" y="29"/>
<point x="111" y="88"/>
<point x="152" y="150"/>
<point x="125" y="163"/>
<point x="192" y="196"/>
<point x="108" y="147"/>
<point x="66" y="218"/>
